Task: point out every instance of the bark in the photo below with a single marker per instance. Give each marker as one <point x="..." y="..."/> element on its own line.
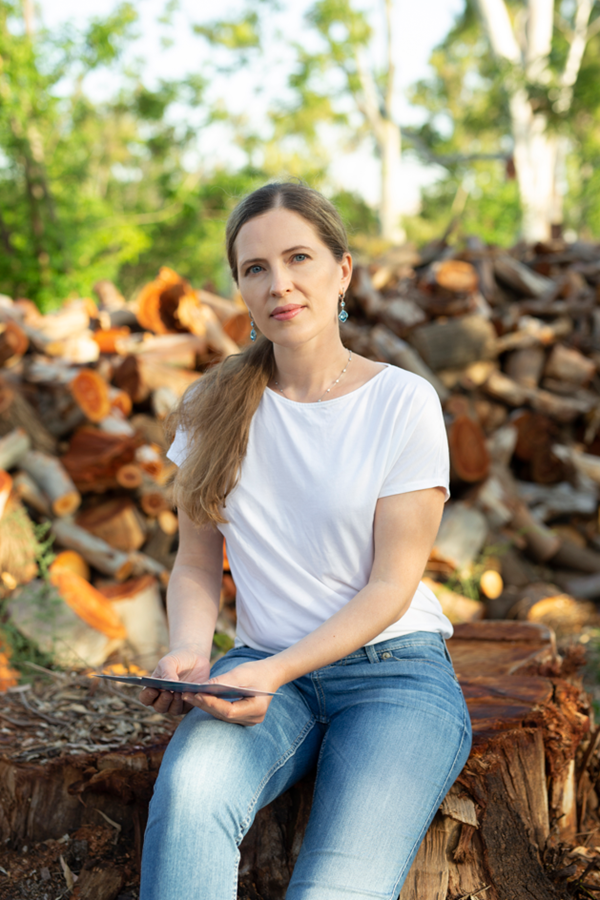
<point x="537" y="151"/>
<point x="491" y="830"/>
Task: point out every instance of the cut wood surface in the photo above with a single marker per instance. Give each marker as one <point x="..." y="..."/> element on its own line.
<point x="53" y="479"/>
<point x="491" y="830"/>
<point x="95" y="551"/>
<point x="117" y="521"/>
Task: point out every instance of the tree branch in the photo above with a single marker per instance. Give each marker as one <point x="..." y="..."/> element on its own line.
<point x="539" y="38"/>
<point x="391" y="68"/>
<point x="499" y="30"/>
<point x="451" y="159"/>
<point x="370" y="104"/>
<point x="581" y="35"/>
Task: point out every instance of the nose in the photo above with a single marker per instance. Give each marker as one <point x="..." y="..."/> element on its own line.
<point x="281" y="283"/>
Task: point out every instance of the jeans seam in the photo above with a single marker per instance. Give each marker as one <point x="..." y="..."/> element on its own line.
<point x="246" y="822"/>
<point x="362" y="654"/>
<point x="436" y="805"/>
<point x="316" y="681"/>
<point x="426" y="662"/>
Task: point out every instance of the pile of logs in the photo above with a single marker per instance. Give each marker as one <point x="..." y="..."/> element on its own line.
<point x="511" y="343"/>
<point x="83" y="392"/>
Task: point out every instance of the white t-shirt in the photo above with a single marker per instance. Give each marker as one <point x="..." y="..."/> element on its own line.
<point x="300" y="530"/>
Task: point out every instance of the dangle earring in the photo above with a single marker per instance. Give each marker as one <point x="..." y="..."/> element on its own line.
<point x="343" y="314"/>
<point x="252" y="329"/>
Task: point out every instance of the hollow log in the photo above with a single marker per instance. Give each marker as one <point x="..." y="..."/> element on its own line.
<point x="491" y="831"/>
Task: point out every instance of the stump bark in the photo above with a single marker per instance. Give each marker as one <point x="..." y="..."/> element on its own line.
<point x="515" y="796"/>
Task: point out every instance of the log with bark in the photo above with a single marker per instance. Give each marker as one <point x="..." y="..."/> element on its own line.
<point x="514" y="801"/>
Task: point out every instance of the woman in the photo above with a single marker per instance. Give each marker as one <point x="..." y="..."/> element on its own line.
<point x="326" y="472"/>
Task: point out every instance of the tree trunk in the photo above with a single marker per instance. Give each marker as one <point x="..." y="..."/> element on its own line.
<point x="515" y="792"/>
<point x="536" y="161"/>
<point x="389" y="207"/>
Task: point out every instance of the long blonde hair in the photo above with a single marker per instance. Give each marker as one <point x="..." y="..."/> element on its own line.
<point x="216" y="412"/>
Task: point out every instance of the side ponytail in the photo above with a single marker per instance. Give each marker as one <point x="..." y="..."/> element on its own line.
<point x="215" y="413"/>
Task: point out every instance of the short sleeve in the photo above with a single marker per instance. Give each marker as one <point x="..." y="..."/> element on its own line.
<point x="178" y="450"/>
<point x="420" y="457"/>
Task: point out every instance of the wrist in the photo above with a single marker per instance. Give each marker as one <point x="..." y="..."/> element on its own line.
<point x="198" y="648"/>
<point x="277" y="670"/>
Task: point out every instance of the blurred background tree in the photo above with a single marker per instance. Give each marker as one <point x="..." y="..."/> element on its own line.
<point x="115" y="187"/>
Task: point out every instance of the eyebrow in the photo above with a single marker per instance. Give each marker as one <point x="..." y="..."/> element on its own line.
<point x="247" y="262"/>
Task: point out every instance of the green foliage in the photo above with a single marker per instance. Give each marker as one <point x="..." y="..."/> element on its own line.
<point x="44" y="556"/>
<point x="468" y="116"/>
<point x="24" y="651"/>
<point x="101" y="190"/>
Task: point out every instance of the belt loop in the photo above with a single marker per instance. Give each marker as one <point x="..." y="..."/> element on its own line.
<point x="371" y="653"/>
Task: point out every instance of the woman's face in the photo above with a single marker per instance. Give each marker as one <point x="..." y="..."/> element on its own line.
<point x="288" y="277"/>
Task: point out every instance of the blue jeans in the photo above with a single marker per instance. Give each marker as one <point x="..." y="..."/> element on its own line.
<point x="387" y="728"/>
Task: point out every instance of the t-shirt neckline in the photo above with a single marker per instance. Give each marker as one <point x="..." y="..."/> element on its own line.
<point x="320" y="403"/>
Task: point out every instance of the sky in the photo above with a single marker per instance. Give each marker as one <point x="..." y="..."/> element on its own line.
<point x="420" y="26"/>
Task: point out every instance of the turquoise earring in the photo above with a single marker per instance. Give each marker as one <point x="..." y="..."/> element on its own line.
<point x="252" y="329"/>
<point x="343" y="314"/>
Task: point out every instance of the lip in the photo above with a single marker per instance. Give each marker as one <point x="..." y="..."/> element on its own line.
<point x="281" y="313"/>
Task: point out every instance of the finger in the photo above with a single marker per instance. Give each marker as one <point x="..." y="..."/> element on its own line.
<point x="163" y="701"/>
<point x="176" y="707"/>
<point x="148" y="696"/>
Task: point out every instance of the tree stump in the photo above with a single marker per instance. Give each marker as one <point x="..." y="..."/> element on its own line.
<point x="515" y="796"/>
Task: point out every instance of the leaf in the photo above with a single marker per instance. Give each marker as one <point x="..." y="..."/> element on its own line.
<point x="70" y="877"/>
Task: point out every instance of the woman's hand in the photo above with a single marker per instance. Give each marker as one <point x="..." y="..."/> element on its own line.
<point x="249" y="710"/>
<point x="181" y="664"/>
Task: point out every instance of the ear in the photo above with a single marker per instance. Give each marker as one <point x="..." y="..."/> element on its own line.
<point x="346" y="267"/>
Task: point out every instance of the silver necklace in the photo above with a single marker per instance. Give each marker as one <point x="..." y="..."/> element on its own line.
<point x="332" y="385"/>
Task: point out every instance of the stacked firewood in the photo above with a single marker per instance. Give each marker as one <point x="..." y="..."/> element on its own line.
<point x="83" y="392"/>
<point x="511" y="343"/>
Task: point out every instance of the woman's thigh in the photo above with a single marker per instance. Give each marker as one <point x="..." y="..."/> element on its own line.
<point x="397" y="738"/>
<point x="213" y="778"/>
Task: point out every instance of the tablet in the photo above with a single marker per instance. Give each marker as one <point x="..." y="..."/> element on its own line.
<point x="225" y="691"/>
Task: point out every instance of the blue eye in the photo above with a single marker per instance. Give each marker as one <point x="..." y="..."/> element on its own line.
<point x="300" y="256"/>
<point x="254" y="270"/>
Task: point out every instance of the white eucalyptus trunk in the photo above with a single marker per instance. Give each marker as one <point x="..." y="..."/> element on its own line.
<point x="389" y="206"/>
<point x="536" y="159"/>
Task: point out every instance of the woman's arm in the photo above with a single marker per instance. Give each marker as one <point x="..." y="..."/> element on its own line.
<point x="193" y="606"/>
<point x="405" y="529"/>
